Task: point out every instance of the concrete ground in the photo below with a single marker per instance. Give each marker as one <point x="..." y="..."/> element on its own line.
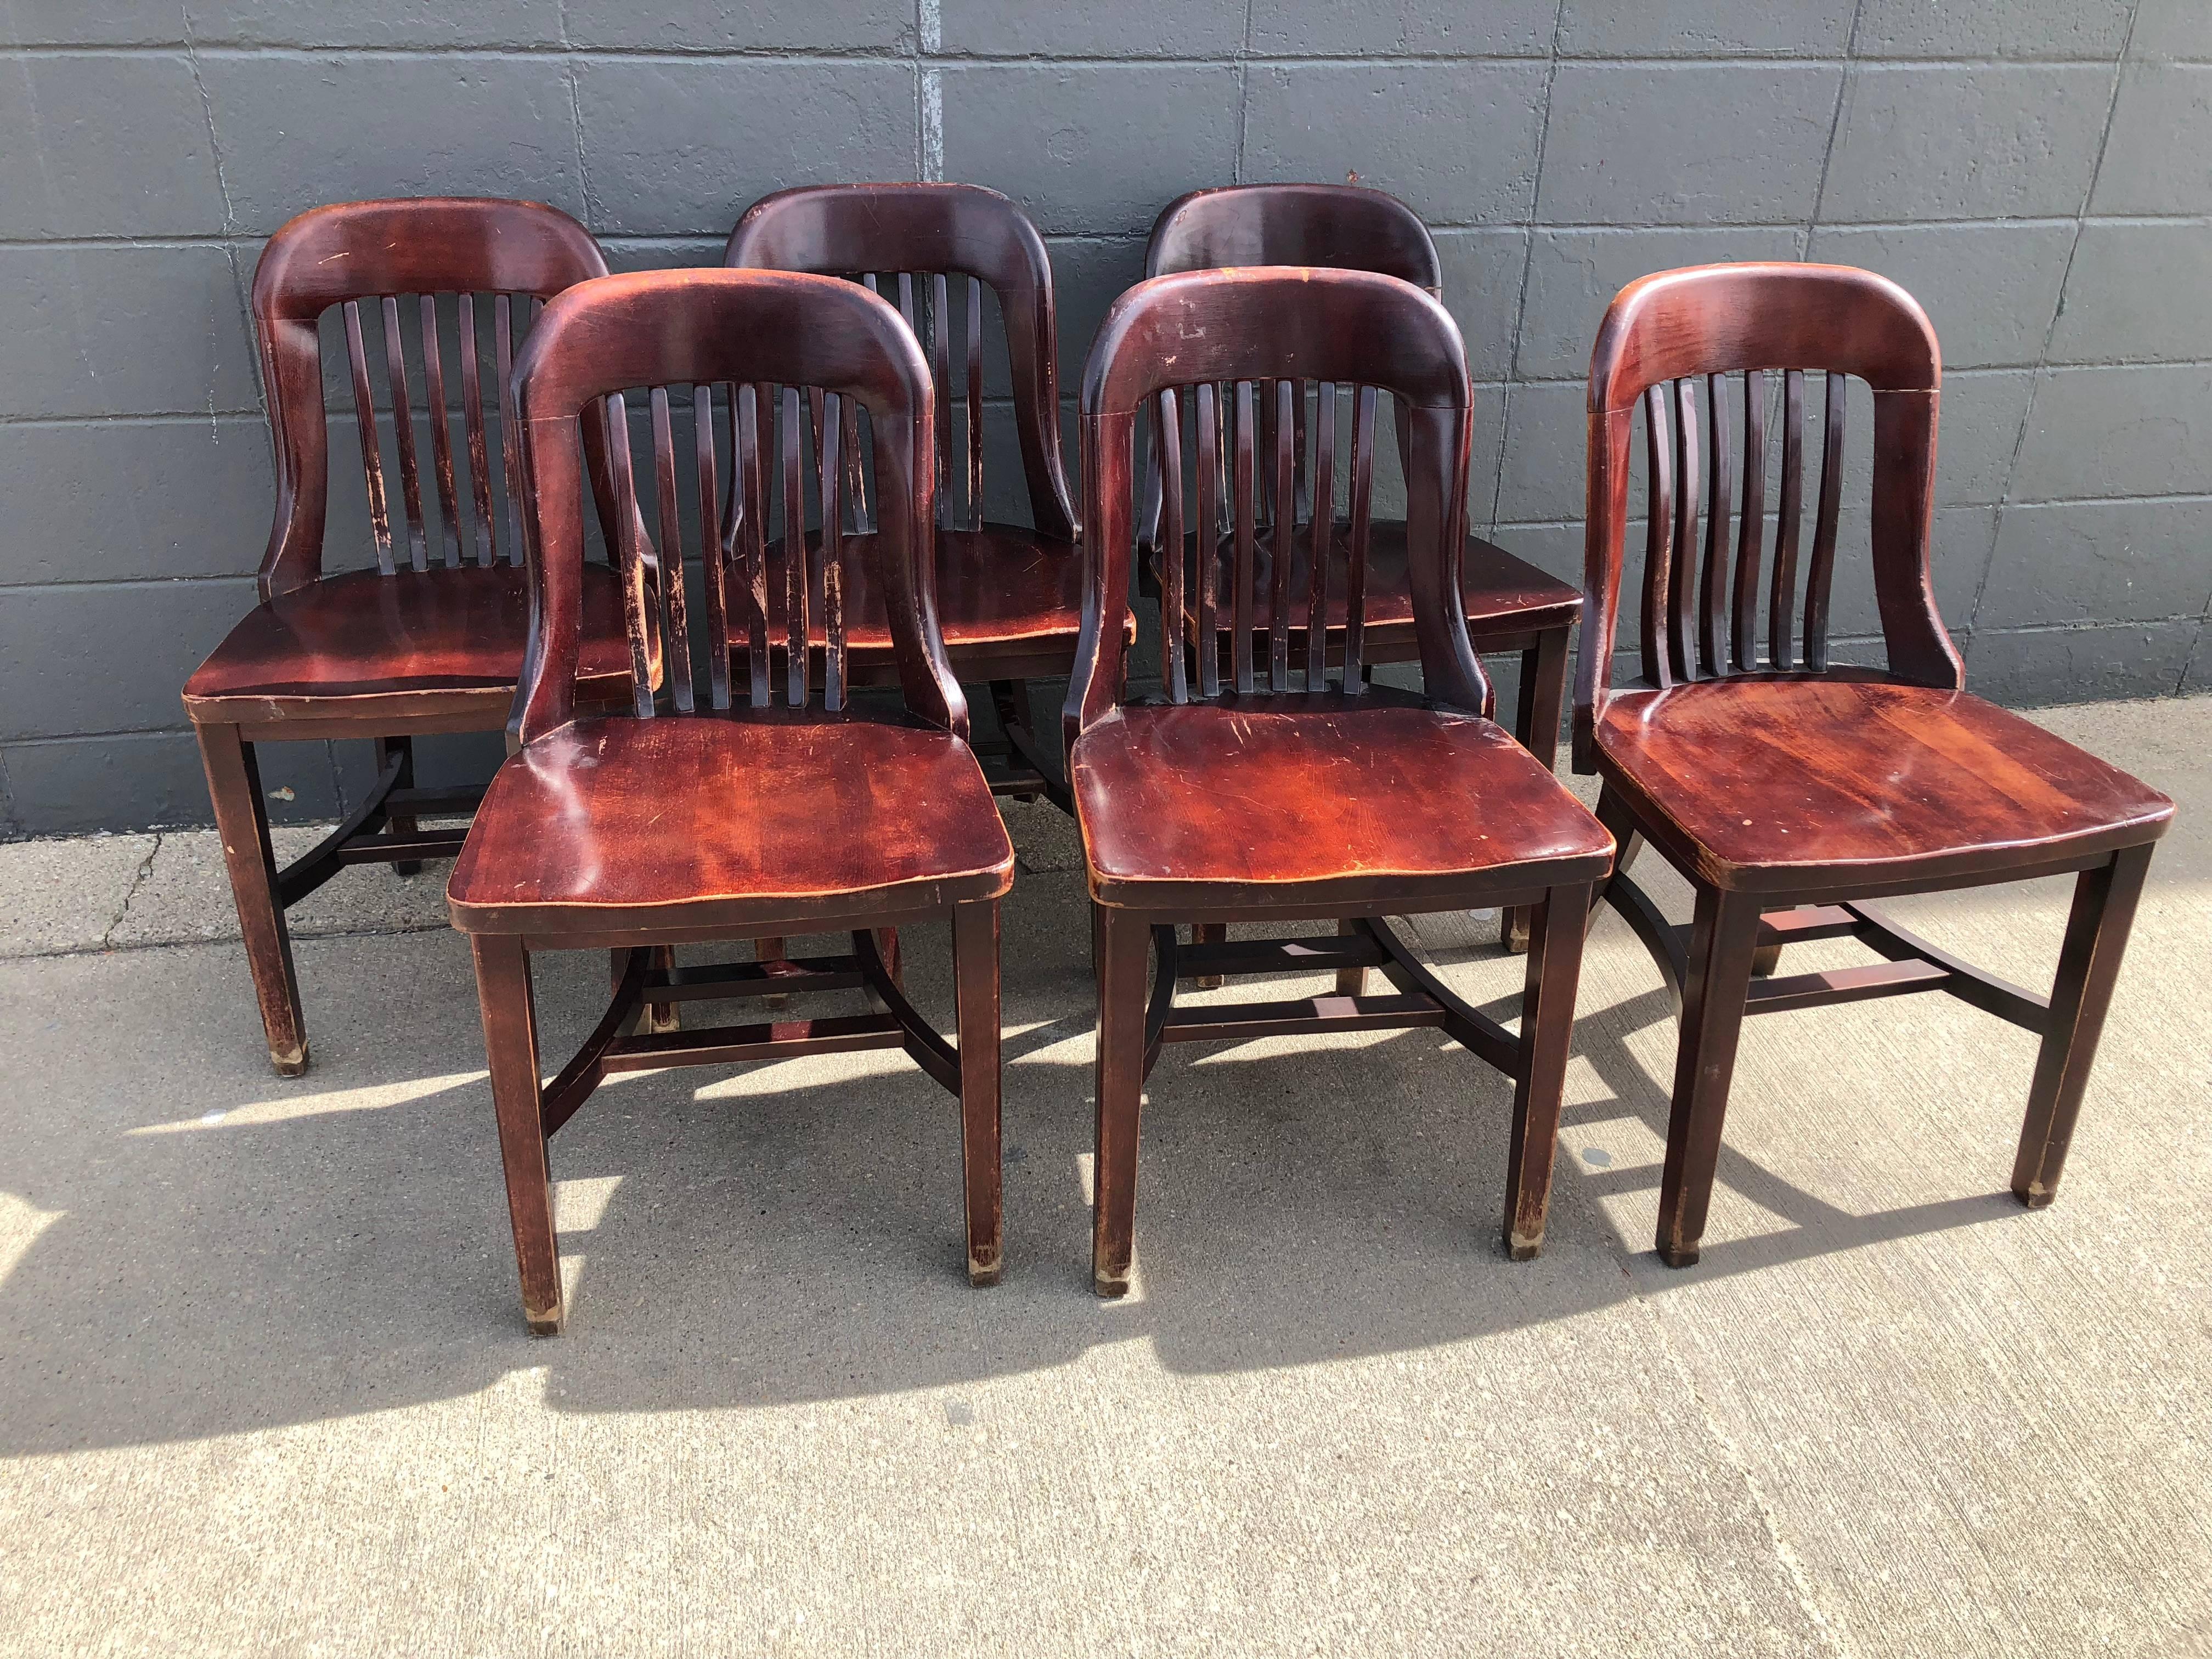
<point x="264" y="1388"/>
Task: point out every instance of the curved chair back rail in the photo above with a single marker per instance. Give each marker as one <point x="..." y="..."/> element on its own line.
<point x="758" y="338"/>
<point x="515" y="254"/>
<point x="921" y="236"/>
<point x="1342" y="225"/>
<point x="1709" y="339"/>
<point x="1207" y="341"/>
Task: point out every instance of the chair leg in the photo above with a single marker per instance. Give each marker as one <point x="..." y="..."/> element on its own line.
<point x="1536" y="724"/>
<point x="1209" y="932"/>
<point x="659" y="1016"/>
<point x="1721" y="942"/>
<point x="1351" y="981"/>
<point x="887" y="946"/>
<point x="510" y="1022"/>
<point x="242" y="819"/>
<point x="2089" y="962"/>
<point x="975" y="994"/>
<point x="1547" y="1020"/>
<point x="1125" y="941"/>
<point x="1620" y="823"/>
<point x="768" y="952"/>
<point x="403" y="823"/>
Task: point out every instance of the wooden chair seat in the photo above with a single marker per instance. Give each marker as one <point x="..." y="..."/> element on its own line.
<point x="722" y="822"/>
<point x="1769" y="782"/>
<point x="1320" y="801"/>
<point x="402" y="638"/>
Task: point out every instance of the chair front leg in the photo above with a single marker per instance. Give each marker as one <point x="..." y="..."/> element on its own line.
<point x="1547" y="1020"/>
<point x="242" y="819"/>
<point x="1722" y="941"/>
<point x="510" y="1023"/>
<point x="975" y="993"/>
<point x="1536" y="723"/>
<point x="2104" y="901"/>
<point x="1124" y="942"/>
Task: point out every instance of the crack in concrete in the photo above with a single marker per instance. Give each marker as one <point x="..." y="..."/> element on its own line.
<point x="138" y="880"/>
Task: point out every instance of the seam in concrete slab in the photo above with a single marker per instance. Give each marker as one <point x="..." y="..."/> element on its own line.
<point x="138" y="880"/>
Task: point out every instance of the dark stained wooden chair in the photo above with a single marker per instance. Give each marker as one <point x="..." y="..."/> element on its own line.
<point x="1009" y="597"/>
<point x="1790" y="789"/>
<point x="1262" y="791"/>
<point x="1511" y="605"/>
<point x="415" y="645"/>
<point x="682" y="823"/>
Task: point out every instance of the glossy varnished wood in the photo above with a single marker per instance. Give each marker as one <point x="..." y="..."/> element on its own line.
<point x="755" y="799"/>
<point x="418" y="631"/>
<point x="1258" y="787"/>
<point x="1773" y="777"/>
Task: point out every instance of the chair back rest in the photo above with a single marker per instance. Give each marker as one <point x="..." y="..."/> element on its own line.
<point x="1342" y="225"/>
<point x="752" y="356"/>
<point x="912" y="240"/>
<point x="1192" y="350"/>
<point x="1698" y="618"/>
<point x="517" y="254"/>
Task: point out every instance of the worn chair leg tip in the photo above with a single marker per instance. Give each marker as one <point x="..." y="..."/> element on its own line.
<point x="290" y="1062"/>
<point x="409" y="868"/>
<point x="2035" y="1197"/>
<point x="1523" y="1249"/>
<point x="1109" y="1287"/>
<point x="1679" y="1255"/>
<point x="982" y="1274"/>
<point x="549" y="1324"/>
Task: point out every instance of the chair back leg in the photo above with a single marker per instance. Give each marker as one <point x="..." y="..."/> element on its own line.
<point x="510" y="1022"/>
<point x="1547" y="1016"/>
<point x="1124" y="943"/>
<point x="2088" y="963"/>
<point x="1542" y="693"/>
<point x="242" y="819"/>
<point x="975" y="992"/>
<point x="1724" y="939"/>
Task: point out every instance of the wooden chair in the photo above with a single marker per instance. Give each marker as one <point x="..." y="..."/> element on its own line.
<point x="639" y="832"/>
<point x="1268" y="792"/>
<point x="1009" y="597"/>
<point x="1791" y="789"/>
<point x="1511" y="605"/>
<point x="410" y="646"/>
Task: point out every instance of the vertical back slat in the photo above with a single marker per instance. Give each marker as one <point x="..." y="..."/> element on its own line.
<point x="441" y="435"/>
<point x="636" y="617"/>
<point x="1361" y="505"/>
<point x="830" y="459"/>
<point x="676" y="639"/>
<point x="472" y="413"/>
<point x="749" y="529"/>
<point x="975" y="403"/>
<point x="1782" y="600"/>
<point x="1282" y="537"/>
<point x="795" y="556"/>
<point x="510" y="429"/>
<point x="1242" y="507"/>
<point x="940" y="372"/>
<point x="1174" y="612"/>
<point x="1751" y="534"/>
<point x="1658" y="534"/>
<point x="1820" y="575"/>
<point x="1320" y="534"/>
<point x="403" y="429"/>
<point x="856" y="474"/>
<point x="372" y="452"/>
<point x="1206" y="520"/>
<point x="711" y="566"/>
<point x="1682" y="573"/>
<point x="1720" y="495"/>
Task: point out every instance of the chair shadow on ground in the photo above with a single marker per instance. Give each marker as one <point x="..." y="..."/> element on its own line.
<point x="781" y="1234"/>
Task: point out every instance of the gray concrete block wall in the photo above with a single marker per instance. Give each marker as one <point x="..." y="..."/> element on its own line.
<point x="2033" y="169"/>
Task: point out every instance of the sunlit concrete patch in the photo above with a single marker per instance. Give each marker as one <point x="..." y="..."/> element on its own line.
<point x="21" y="1224"/>
<point x="371" y="1097"/>
<point x="579" y="1202"/>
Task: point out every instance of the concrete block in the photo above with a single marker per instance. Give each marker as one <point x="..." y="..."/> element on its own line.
<point x="2139" y="430"/>
<point x="1652" y="144"/>
<point x="703" y="26"/>
<point x="2133" y="292"/>
<point x="1991" y="290"/>
<point x="1146" y="29"/>
<point x="1545" y="441"/>
<point x="324" y="23"/>
<point x="1091" y="149"/>
<point x="107" y="656"/>
<point x="1509" y="29"/>
<point x="1965" y="141"/>
<point x="106" y="144"/>
<point x="1992" y="29"/>
<point x="297" y="130"/>
<point x="1793" y="28"/>
<point x="2171" y="29"/>
<point x="1456" y="141"/>
<point x="2162" y="132"/>
<point x="2062" y="561"/>
<point x="2033" y="667"/>
<point x="1482" y="290"/>
<point x="134" y="498"/>
<point x="676" y="147"/>
<point x="72" y="23"/>
<point x="1574" y="274"/>
<point x="118" y="329"/>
